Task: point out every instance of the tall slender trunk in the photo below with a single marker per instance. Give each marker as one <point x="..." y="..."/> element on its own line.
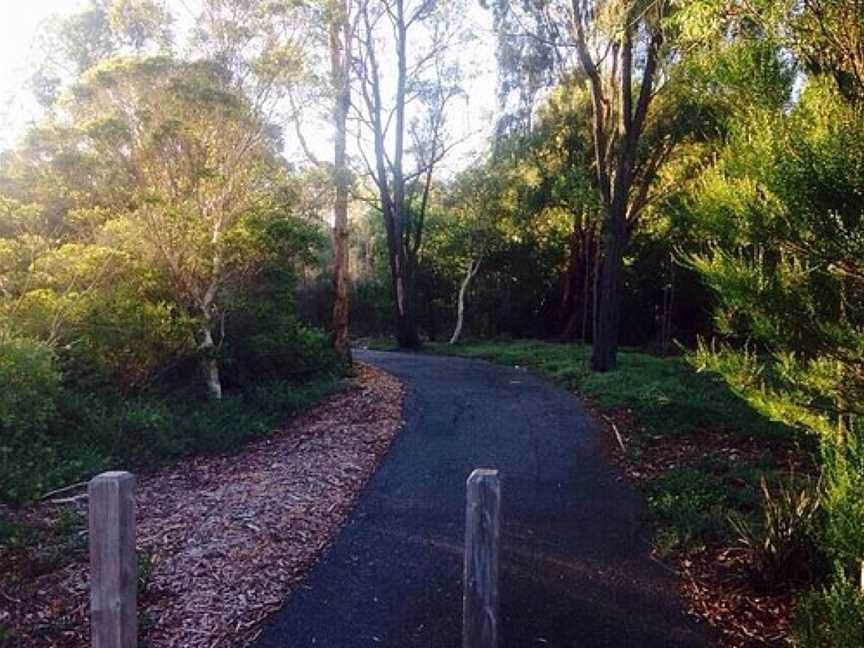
<point x="392" y="191"/>
<point x="210" y="364"/>
<point x="207" y="303"/>
<point x="617" y="123"/>
<point x="403" y="277"/>
<point x="401" y="285"/>
<point x="590" y="257"/>
<point x="340" y="49"/>
<point x="406" y="316"/>
<point x="578" y="281"/>
<point x="605" y="351"/>
<point x="473" y="267"/>
<point x="567" y="317"/>
<point x="668" y="305"/>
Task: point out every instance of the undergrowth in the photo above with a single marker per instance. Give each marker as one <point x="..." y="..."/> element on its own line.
<point x="96" y="433"/>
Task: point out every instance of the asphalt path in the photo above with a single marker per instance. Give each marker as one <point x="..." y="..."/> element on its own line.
<point x="575" y="566"/>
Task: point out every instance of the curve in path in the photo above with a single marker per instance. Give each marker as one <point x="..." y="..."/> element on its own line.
<point x="575" y="567"/>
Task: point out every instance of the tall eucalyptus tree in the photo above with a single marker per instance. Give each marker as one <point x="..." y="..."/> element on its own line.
<point x="621" y="52"/>
<point x="405" y="65"/>
<point x="341" y="34"/>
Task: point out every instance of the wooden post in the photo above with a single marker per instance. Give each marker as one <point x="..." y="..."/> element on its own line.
<point x="480" y="602"/>
<point x="113" y="564"/>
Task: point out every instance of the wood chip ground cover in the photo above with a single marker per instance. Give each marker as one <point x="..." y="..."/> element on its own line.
<point x="221" y="540"/>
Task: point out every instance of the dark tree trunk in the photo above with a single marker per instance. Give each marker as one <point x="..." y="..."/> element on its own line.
<point x="402" y="286"/>
<point x="571" y="283"/>
<point x="575" y="304"/>
<point x="406" y="315"/>
<point x="617" y="118"/>
<point x="605" y="352"/>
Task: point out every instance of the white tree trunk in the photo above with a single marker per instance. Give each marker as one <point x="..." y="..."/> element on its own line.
<point x="861" y="584"/>
<point x="211" y="366"/>
<point x="473" y="267"/>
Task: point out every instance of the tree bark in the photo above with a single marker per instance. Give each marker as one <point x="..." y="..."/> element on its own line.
<point x="590" y="261"/>
<point x="406" y="317"/>
<point x="473" y="267"/>
<point x="578" y="279"/>
<point x="668" y="305"/>
<point x="397" y="190"/>
<point x="340" y="52"/>
<point x="571" y="282"/>
<point x="207" y="303"/>
<point x="391" y="187"/>
<point x="605" y="350"/>
<point x="210" y="365"/>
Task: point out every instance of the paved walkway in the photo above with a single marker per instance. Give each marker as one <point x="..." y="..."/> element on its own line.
<point x="575" y="567"/>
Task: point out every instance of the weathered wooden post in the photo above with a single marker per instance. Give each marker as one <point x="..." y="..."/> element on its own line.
<point x="480" y="601"/>
<point x="113" y="564"/>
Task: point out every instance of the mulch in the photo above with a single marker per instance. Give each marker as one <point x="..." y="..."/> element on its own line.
<point x="222" y="540"/>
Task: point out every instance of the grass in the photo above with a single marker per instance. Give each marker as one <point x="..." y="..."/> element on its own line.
<point x="668" y="402"/>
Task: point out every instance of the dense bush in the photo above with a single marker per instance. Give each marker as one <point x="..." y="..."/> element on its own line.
<point x="29" y="387"/>
<point x="781" y="548"/>
<point x="833" y="616"/>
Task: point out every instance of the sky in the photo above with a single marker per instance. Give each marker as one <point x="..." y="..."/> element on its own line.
<point x="21" y="19"/>
<point x="17" y="28"/>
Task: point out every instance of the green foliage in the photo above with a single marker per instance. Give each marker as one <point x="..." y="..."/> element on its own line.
<point x="833" y="616"/>
<point x="32" y="469"/>
<point x="781" y="211"/>
<point x="95" y="434"/>
<point x="690" y="505"/>
<point x="757" y="382"/>
<point x="784" y="209"/>
<point x="135" y="244"/>
<point x="844" y="499"/>
<point x="29" y="387"/>
<point x="782" y="547"/>
<point x="16" y="533"/>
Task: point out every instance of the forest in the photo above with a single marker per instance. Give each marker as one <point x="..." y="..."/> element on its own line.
<point x="215" y="201"/>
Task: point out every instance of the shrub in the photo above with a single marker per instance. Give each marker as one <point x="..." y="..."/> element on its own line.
<point x="32" y="469"/>
<point x="264" y="340"/>
<point x="29" y="385"/>
<point x="832" y="617"/>
<point x="844" y="499"/>
<point x="783" y="547"/>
